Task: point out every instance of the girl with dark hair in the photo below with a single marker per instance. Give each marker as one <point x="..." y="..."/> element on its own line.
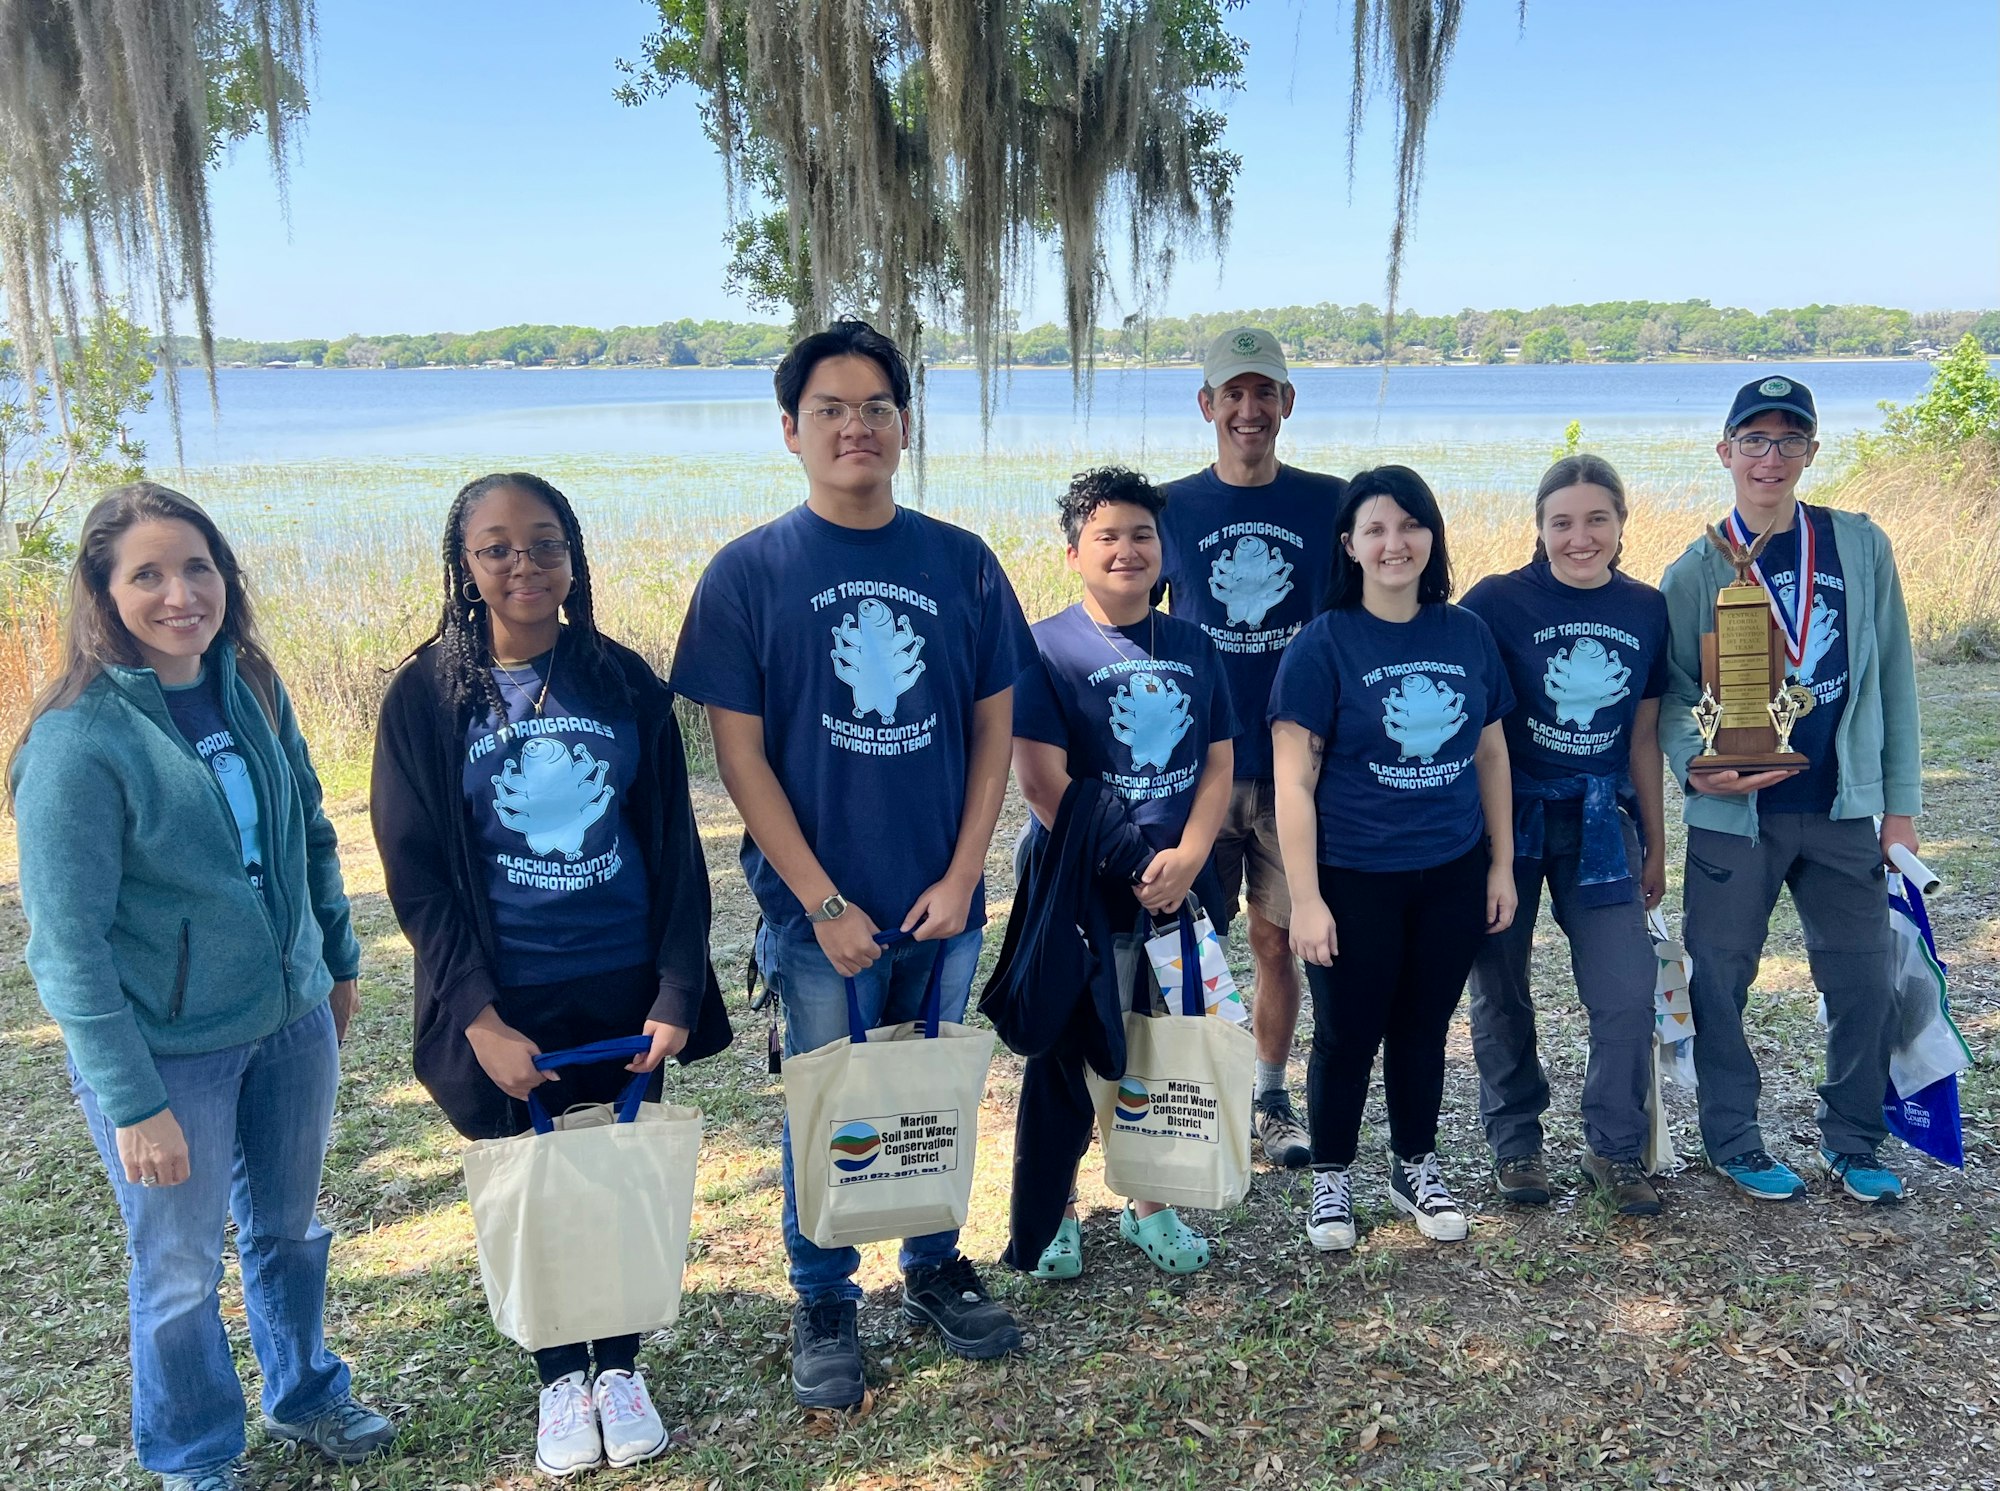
<point x="1396" y="827"/>
<point x="1586" y="651"/>
<point x="531" y="806"/>
<point x="190" y="935"/>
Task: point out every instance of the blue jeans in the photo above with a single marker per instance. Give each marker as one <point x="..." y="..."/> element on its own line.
<point x="256" y="1117"/>
<point x="815" y="1005"/>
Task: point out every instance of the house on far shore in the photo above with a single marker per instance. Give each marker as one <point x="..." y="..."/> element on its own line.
<point x="1924" y="350"/>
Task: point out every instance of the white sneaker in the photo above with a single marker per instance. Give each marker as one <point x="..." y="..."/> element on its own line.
<point x="1417" y="1187"/>
<point x="566" y="1439"/>
<point x="630" y="1425"/>
<point x="1330" y="1223"/>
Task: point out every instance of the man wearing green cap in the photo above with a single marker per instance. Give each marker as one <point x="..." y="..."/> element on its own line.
<point x="1248" y="553"/>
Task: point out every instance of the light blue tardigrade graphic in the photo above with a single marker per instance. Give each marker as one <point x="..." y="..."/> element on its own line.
<point x="1582" y="679"/>
<point x="1420" y="715"/>
<point x="875" y="654"/>
<point x="1150" y="719"/>
<point x="553" y="795"/>
<point x="235" y="778"/>
<point x="1824" y="630"/>
<point x="1249" y="580"/>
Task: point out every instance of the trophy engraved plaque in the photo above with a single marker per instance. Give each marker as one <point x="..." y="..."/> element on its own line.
<point x="1747" y="709"/>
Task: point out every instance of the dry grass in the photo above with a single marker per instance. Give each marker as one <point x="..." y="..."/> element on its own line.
<point x="346" y="572"/>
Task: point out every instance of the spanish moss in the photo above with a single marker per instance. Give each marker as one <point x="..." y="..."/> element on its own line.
<point x="111" y="114"/>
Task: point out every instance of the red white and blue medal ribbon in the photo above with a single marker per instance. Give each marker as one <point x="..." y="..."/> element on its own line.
<point x="1795" y="624"/>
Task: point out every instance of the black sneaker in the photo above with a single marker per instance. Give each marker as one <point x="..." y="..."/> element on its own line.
<point x="949" y="1296"/>
<point x="1280" y="1135"/>
<point x="1524" y="1179"/>
<point x="1417" y="1188"/>
<point x="1626" y="1183"/>
<point x="826" y="1354"/>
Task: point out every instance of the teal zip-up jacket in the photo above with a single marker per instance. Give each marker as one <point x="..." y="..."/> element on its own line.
<point x="145" y="935"/>
<point x="1877" y="743"/>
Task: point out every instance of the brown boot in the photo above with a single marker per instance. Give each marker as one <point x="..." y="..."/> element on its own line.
<point x="1626" y="1183"/>
<point x="1524" y="1180"/>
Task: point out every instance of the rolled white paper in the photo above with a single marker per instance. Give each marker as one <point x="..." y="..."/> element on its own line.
<point x="1914" y="869"/>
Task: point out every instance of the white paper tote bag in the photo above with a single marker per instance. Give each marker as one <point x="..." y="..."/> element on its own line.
<point x="1176" y="1126"/>
<point x="583" y="1222"/>
<point x="885" y="1124"/>
<point x="1218" y="986"/>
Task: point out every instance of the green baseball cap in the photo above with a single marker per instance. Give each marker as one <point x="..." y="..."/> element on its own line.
<point x="1244" y="349"/>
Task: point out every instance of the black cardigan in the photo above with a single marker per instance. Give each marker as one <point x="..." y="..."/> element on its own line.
<point x="437" y="886"/>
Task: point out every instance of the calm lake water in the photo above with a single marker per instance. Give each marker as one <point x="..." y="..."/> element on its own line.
<point x="344" y="414"/>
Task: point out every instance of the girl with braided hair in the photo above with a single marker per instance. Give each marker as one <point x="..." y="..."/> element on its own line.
<point x="530" y="802"/>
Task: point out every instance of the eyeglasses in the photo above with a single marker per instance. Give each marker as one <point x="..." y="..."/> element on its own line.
<point x="1791" y="447"/>
<point x="547" y="553"/>
<point x="876" y="414"/>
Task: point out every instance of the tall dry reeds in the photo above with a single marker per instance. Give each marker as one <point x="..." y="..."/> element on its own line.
<point x="346" y="588"/>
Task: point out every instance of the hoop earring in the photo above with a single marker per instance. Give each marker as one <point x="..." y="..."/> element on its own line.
<point x="472" y="586"/>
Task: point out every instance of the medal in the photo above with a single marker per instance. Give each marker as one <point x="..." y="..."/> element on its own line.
<point x="1794" y="622"/>
<point x="1801" y="697"/>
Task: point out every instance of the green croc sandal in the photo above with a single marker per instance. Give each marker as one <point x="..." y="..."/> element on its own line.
<point x="1174" y="1247"/>
<point x="1063" y="1258"/>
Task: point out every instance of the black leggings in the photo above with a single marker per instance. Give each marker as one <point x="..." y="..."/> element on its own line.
<point x="618" y="1354"/>
<point x="1406" y="940"/>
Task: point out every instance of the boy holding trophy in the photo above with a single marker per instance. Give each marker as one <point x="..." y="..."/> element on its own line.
<point x="1839" y="690"/>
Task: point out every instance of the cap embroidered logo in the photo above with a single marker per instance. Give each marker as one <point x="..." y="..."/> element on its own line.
<point x="1246" y="341"/>
<point x="1774" y="388"/>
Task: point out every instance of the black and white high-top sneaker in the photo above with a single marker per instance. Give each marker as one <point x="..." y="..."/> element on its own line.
<point x="1417" y="1187"/>
<point x="1330" y="1222"/>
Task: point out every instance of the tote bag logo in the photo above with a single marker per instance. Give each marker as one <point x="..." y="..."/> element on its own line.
<point x="1168" y="1108"/>
<point x="1133" y="1100"/>
<point x="855" y="1146"/>
<point x="893" y="1146"/>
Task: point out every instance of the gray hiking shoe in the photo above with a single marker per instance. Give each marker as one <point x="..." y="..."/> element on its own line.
<point x="1524" y="1179"/>
<point x="1282" y="1137"/>
<point x="1625" y="1183"/>
<point x="230" y="1477"/>
<point x="348" y="1432"/>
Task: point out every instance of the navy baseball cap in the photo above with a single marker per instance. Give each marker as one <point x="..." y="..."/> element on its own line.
<point x="1766" y="394"/>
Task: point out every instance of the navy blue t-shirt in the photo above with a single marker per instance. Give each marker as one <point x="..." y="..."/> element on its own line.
<point x="1249" y="566"/>
<point x="197" y="711"/>
<point x="1135" y="706"/>
<point x="864" y="652"/>
<point x="1823" y="668"/>
<point x="1579" y="662"/>
<point x="1400" y="706"/>
<point x="547" y="796"/>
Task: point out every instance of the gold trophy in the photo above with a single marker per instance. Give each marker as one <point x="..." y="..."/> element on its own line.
<point x="1747" y="710"/>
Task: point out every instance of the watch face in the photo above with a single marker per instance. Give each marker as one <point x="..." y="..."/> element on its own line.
<point x="832" y="906"/>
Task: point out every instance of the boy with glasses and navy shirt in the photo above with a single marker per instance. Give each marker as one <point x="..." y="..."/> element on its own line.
<point x="1247" y="556"/>
<point x="1835" y="594"/>
<point x="857" y="661"/>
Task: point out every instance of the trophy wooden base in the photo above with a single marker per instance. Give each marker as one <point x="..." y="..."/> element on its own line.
<point x="1747" y="762"/>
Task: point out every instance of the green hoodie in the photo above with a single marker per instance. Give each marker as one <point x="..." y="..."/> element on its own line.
<point x="145" y="934"/>
<point x="1875" y="746"/>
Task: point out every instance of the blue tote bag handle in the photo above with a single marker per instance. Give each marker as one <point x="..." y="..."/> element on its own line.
<point x="623" y="1048"/>
<point x="857" y="1028"/>
<point x="1192" y="1001"/>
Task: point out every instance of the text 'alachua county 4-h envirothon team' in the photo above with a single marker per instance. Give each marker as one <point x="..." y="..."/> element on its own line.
<point x="1265" y="701"/>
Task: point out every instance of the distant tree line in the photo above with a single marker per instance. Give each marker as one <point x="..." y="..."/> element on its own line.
<point x="1612" y="331"/>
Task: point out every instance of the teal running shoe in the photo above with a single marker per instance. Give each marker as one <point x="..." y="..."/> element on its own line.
<point x="1863" y="1177"/>
<point x="1762" y="1177"/>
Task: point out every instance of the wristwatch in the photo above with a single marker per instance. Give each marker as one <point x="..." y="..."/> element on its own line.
<point x="830" y="908"/>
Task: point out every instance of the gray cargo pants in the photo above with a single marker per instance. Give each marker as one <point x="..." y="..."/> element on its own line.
<point x="1611" y="955"/>
<point x="1834" y="869"/>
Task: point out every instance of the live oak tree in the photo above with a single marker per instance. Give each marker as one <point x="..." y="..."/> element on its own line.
<point x="913" y="152"/>
<point x="111" y="113"/>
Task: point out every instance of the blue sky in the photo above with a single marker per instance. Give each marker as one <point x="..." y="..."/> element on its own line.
<point x="466" y="166"/>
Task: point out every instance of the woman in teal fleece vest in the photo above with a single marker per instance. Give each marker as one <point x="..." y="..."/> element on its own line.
<point x="189" y="933"/>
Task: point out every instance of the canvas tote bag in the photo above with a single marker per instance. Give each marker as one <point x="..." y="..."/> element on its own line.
<point x="582" y="1223"/>
<point x="885" y="1123"/>
<point x="1176" y="1126"/>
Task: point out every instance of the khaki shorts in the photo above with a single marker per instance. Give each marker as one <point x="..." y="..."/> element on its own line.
<point x="1247" y="861"/>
